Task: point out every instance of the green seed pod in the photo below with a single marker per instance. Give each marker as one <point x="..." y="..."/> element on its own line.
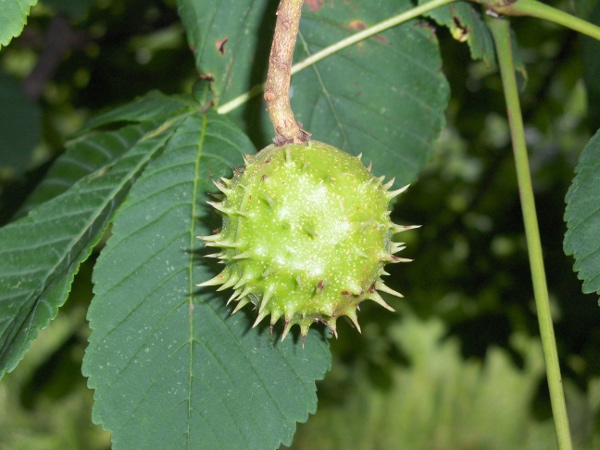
<point x="306" y="235"/>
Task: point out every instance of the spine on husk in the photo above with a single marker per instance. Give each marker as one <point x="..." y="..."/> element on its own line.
<point x="306" y="235"/>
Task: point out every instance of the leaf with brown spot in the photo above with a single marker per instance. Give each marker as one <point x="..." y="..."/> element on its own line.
<point x="384" y="97"/>
<point x="314" y="5"/>
<point x="221" y="45"/>
<point x="466" y="25"/>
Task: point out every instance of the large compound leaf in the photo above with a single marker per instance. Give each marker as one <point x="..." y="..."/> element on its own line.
<point x="582" y="215"/>
<point x="171" y="368"/>
<point x="13" y="17"/>
<point x="40" y="253"/>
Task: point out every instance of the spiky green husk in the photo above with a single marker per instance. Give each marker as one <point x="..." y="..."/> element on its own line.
<point x="306" y="234"/>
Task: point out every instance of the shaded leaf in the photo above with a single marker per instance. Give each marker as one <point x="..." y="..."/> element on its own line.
<point x="583" y="8"/>
<point x="13" y="18"/>
<point x="582" y="215"/>
<point x="384" y="97"/>
<point x="40" y="253"/>
<point x="153" y="106"/>
<point x="466" y="25"/>
<point x="20" y="124"/>
<point x="87" y="154"/>
<point x="83" y="157"/>
<point x="230" y="40"/>
<point x="170" y="366"/>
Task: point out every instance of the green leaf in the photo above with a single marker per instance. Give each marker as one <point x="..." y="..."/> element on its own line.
<point x="154" y="106"/>
<point x="170" y="366"/>
<point x="20" y="124"/>
<point x="582" y="215"/>
<point x="384" y="97"/>
<point x="83" y="157"/>
<point x="40" y="253"/>
<point x="465" y="24"/>
<point x="230" y="40"/>
<point x="13" y="18"/>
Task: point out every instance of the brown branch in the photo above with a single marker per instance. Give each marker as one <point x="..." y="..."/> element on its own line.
<point x="277" y="89"/>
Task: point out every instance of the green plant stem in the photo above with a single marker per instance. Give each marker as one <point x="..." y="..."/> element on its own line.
<point x="501" y="33"/>
<point x="340" y="45"/>
<point x="533" y="8"/>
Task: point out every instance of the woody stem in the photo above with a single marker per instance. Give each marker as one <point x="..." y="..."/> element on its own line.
<point x="277" y="89"/>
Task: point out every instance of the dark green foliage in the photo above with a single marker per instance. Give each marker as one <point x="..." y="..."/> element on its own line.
<point x="169" y="366"/>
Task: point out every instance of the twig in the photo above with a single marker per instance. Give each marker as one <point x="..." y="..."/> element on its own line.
<point x="277" y="90"/>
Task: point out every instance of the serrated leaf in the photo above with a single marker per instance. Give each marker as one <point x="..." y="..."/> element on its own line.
<point x="13" y="18"/>
<point x="383" y="97"/>
<point x="230" y="40"/>
<point x="170" y="366"/>
<point x="83" y="157"/>
<point x="40" y="253"/>
<point x="466" y="25"/>
<point x="153" y="106"/>
<point x="582" y="216"/>
<point x="86" y="154"/>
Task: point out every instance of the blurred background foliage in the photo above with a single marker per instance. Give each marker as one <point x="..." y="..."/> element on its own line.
<point x="459" y="366"/>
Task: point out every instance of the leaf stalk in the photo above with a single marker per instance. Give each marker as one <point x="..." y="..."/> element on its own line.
<point x="398" y="19"/>
<point x="501" y="34"/>
<point x="534" y="8"/>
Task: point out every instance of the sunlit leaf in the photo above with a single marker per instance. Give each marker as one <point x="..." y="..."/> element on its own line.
<point x="13" y="18"/>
